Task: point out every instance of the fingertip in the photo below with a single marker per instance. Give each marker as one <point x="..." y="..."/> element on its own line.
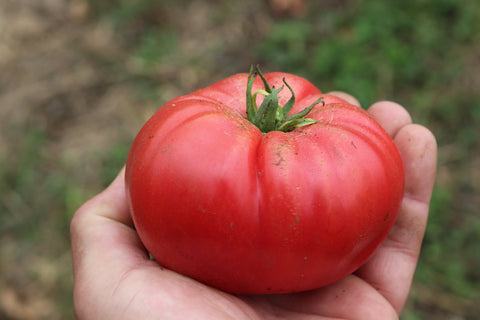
<point x="390" y="115"/>
<point x="418" y="148"/>
<point x="110" y="203"/>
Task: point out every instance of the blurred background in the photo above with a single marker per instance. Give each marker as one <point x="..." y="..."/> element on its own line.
<point x="78" y="78"/>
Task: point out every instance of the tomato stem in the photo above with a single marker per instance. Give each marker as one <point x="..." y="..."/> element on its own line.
<point x="270" y="116"/>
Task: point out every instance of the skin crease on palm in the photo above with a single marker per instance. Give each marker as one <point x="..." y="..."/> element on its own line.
<point x="115" y="279"/>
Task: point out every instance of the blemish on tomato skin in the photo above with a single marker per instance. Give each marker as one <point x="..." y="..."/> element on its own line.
<point x="280" y="158"/>
<point x="385" y="218"/>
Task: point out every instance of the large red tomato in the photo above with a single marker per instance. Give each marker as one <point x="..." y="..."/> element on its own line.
<point x="251" y="210"/>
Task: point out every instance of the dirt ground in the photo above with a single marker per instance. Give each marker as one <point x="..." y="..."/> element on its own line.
<point x="53" y="81"/>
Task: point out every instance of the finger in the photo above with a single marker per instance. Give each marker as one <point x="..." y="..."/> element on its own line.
<point x="345" y="96"/>
<point x="104" y="221"/>
<point x="392" y="267"/>
<point x="110" y="203"/>
<point x="390" y="115"/>
<point x="103" y="227"/>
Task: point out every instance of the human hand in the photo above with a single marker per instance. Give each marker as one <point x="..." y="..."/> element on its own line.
<point x="115" y="279"/>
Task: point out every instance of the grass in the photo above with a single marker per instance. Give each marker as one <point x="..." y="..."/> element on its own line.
<point x="422" y="54"/>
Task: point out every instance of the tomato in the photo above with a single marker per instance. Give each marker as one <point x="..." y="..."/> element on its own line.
<point x="253" y="209"/>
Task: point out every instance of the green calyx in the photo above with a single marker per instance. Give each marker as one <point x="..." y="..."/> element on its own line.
<point x="270" y="116"/>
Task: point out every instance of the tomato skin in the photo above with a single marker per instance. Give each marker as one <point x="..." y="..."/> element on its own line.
<point x="214" y="198"/>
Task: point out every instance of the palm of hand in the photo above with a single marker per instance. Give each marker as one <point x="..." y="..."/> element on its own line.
<point x="182" y="298"/>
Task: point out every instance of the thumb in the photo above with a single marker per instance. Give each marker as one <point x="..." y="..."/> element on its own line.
<point x="104" y="245"/>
